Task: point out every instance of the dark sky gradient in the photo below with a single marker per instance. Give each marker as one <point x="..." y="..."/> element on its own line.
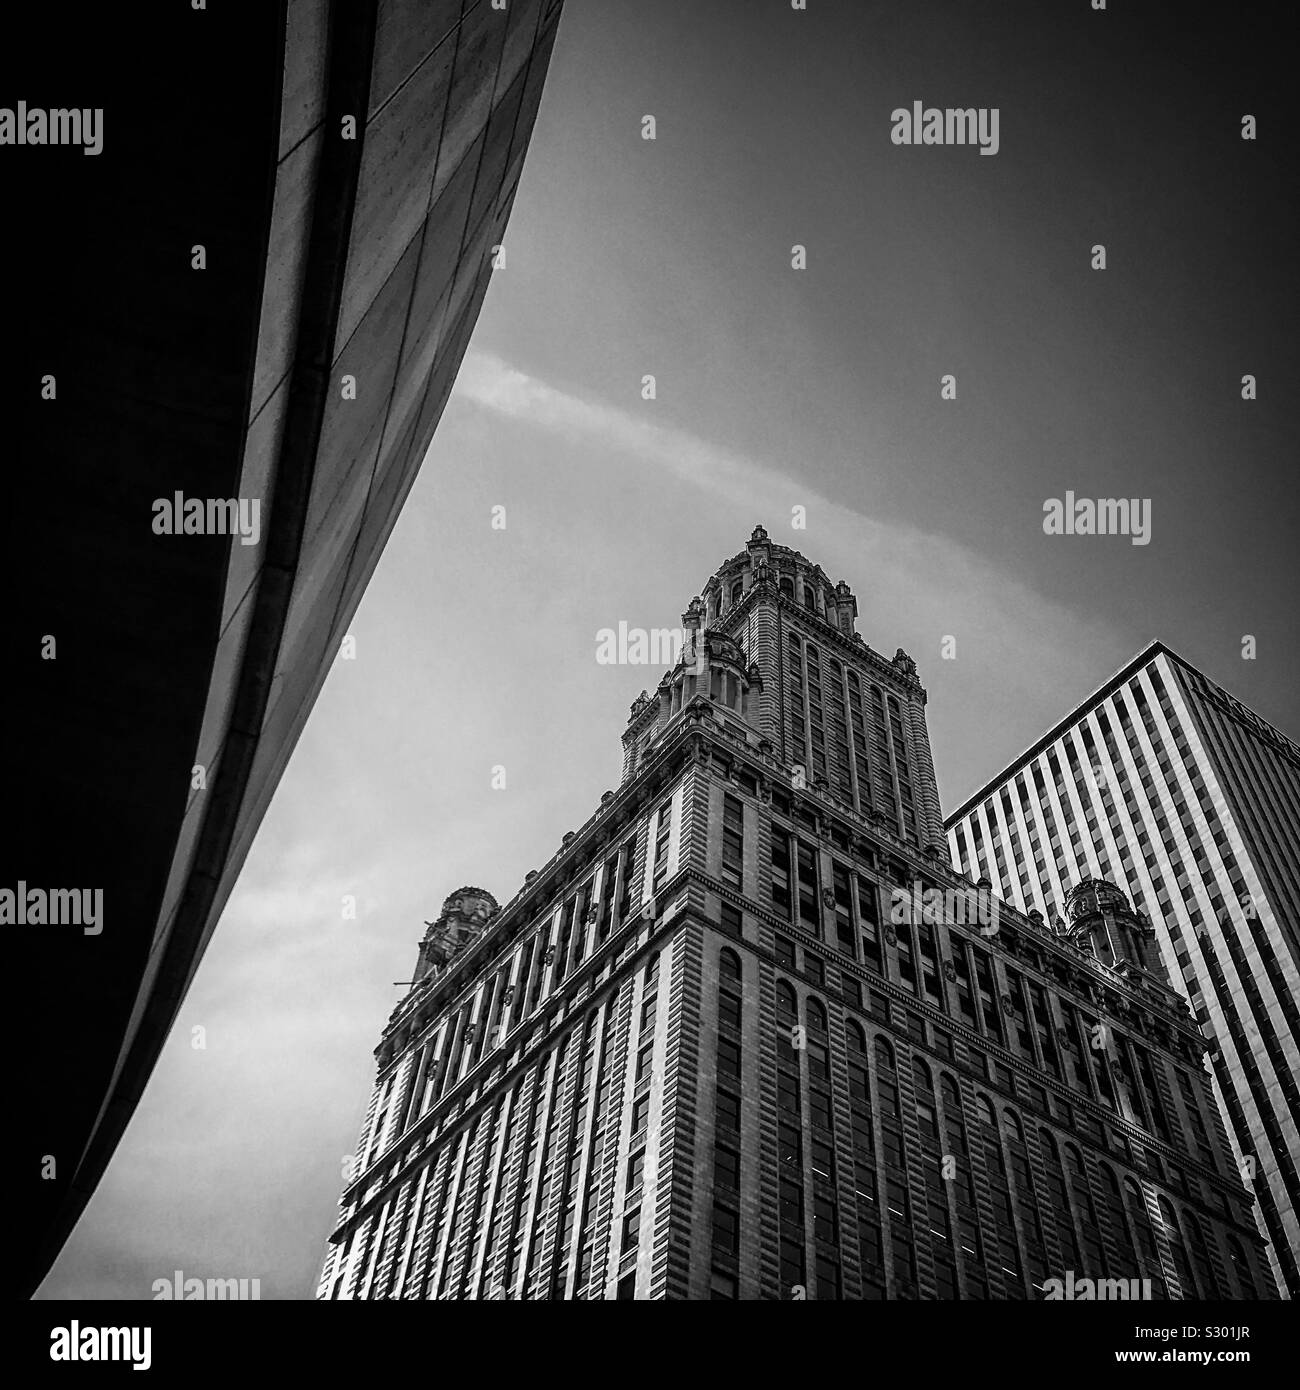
<point x="1120" y="128"/>
<point x="776" y="389"/>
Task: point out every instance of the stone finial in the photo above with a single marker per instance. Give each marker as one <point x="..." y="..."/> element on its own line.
<point x="905" y="663"/>
<point x="760" y="536"/>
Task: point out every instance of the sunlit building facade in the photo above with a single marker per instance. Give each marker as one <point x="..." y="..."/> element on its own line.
<point x="1164" y="783"/>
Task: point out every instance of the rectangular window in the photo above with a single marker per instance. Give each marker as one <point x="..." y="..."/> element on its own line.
<point x="787" y="1091"/>
<point x="640" y="1113"/>
<point x="793" y="1266"/>
<point x="729" y="1009"/>
<point x="635" y="1168"/>
<point x="781" y="873"/>
<point x="726" y="1230"/>
<point x="731" y="921"/>
<point x="605" y="916"/>
<point x="906" y="964"/>
<point x="844" y="931"/>
<point x="809" y="913"/>
<point x="733" y="841"/>
<point x="892" y="1143"/>
<point x="722" y="1286"/>
<point x="728" y="1115"/>
<point x="624" y="884"/>
<point x="728" y="1057"/>
<point x="823" y="1160"/>
<point x="888" y="1092"/>
<point x="814" y="968"/>
<point x="825" y="1224"/>
<point x="663" y="828"/>
<point x="631" y="1230"/>
<point x="726" y="1168"/>
<point x="820" y="1107"/>
<point x="784" y="953"/>
<point x="790" y="1145"/>
<point x="644" y="1060"/>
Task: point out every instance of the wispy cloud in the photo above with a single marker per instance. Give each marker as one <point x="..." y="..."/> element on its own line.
<point x="913" y="586"/>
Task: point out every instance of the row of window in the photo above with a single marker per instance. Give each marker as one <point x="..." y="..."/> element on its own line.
<point x="827" y="734"/>
<point x="1172" y="797"/>
<point x="1033" y="1202"/>
<point x="949" y="971"/>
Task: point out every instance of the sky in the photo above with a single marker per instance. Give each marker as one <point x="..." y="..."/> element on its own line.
<point x="775" y="389"/>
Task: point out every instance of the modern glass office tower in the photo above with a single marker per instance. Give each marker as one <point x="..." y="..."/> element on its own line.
<point x="1165" y="784"/>
<point x="748" y="1035"/>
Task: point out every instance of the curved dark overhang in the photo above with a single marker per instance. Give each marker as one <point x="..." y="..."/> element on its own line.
<point x="347" y="84"/>
<point x="327" y="255"/>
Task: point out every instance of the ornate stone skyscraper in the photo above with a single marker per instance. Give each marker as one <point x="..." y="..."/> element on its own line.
<point x="748" y="1035"/>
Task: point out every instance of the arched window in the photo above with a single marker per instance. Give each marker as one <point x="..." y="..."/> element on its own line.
<point x="816" y="1015"/>
<point x="1074" y="1161"/>
<point x="809" y="598"/>
<point x="856" y="1039"/>
<point x="786" y="1009"/>
<point x="729" y="965"/>
<point x="1177" y="1247"/>
<point x="884" y="1053"/>
<point x="737" y="590"/>
<point x="1057" y="1207"/>
<point x="984" y="1109"/>
<point x="951" y="1097"/>
<point x="1141" y="1219"/>
<point x="1201" y="1255"/>
<point x="786" y="586"/>
<point x="1014" y="1128"/>
<point x="954" y="1120"/>
<point x="921" y="1076"/>
<point x="1242" y="1267"/>
<point x="1114" y="1204"/>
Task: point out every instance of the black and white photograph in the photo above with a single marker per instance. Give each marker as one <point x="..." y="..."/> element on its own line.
<point x="657" y="658"/>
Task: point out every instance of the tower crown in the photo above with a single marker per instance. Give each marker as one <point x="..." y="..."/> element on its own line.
<point x="1099" y="914"/>
<point x="464" y="916"/>
<point x="763" y="563"/>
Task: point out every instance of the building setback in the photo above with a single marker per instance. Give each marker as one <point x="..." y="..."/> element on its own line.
<point x="719" y="1047"/>
<point x="1165" y="783"/>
